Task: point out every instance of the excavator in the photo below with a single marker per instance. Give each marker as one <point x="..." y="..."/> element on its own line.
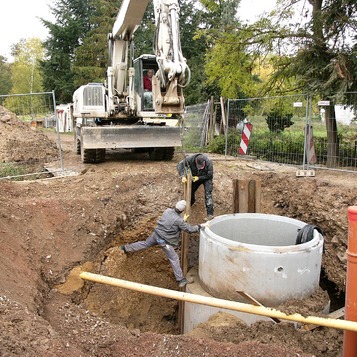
<point x="120" y="113"/>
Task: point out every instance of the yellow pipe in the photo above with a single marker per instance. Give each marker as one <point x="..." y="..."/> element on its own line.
<point x="225" y="304"/>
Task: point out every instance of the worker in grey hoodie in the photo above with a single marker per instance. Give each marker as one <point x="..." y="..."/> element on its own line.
<point x="167" y="235"/>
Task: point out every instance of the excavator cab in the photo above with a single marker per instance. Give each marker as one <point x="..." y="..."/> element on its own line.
<point x="164" y="98"/>
<point x="144" y="94"/>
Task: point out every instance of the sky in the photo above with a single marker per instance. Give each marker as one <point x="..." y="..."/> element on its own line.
<point x="20" y="19"/>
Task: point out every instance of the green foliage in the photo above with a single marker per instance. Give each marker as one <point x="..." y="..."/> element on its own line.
<point x="65" y="36"/>
<point x="219" y="143"/>
<point x="230" y="68"/>
<point x="144" y="35"/>
<point x="278" y="121"/>
<point x="5" y="76"/>
<point x="306" y="47"/>
<point x="91" y="59"/>
<point x="26" y="76"/>
<point x="284" y="147"/>
<point x="288" y="146"/>
<point x="225" y="63"/>
<point x="191" y="139"/>
<point x="322" y="57"/>
<point x="11" y="169"/>
<point x="19" y="172"/>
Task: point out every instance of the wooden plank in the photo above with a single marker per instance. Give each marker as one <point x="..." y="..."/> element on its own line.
<point x="251" y="196"/>
<point x="337" y="314"/>
<point x="235" y="196"/>
<point x="254" y="302"/>
<point x="243" y="196"/>
<point x="184" y="248"/>
<point x="258" y="196"/>
<point x="185" y="235"/>
<point x="246" y="196"/>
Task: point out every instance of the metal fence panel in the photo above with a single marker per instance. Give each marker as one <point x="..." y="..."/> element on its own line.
<point x="195" y="125"/>
<point x="277" y="127"/>
<point x="24" y="149"/>
<point x="346" y="131"/>
<point x="280" y="126"/>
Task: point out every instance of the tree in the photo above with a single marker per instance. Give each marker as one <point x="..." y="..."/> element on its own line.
<point x="65" y="36"/>
<point x="145" y="34"/>
<point x="224" y="64"/>
<point x="92" y="57"/>
<point x="5" y="76"/>
<point x="326" y="64"/>
<point x="314" y="53"/>
<point x="277" y="120"/>
<point x="26" y="74"/>
<point x="324" y="61"/>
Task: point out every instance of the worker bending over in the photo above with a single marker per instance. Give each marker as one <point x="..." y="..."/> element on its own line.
<point x="202" y="174"/>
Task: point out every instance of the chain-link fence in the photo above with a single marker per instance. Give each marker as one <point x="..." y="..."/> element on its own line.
<point x="277" y="131"/>
<point x="195" y="125"/>
<point x="294" y="130"/>
<point x="337" y="147"/>
<point x="25" y="150"/>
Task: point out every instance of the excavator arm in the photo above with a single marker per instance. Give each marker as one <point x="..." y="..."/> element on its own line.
<point x="120" y="113"/>
<point x="169" y="80"/>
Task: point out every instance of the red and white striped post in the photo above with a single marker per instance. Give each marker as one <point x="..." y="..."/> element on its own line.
<point x="247" y="130"/>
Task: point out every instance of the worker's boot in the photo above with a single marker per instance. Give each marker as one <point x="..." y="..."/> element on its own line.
<point x="209" y="213"/>
<point x="185" y="281"/>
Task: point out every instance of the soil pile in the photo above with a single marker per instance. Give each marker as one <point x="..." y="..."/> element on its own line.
<point x="19" y="142"/>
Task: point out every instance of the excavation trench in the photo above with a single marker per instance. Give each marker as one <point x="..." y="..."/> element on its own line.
<point x="136" y="310"/>
<point x="50" y="226"/>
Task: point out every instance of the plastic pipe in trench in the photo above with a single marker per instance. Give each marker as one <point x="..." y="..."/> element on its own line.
<point x="350" y="338"/>
<point x="226" y="304"/>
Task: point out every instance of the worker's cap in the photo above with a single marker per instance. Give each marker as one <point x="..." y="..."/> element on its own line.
<point x="200" y="162"/>
<point x="181" y="205"/>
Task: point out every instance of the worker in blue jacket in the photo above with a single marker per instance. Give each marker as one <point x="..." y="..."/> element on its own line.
<point x="202" y="174"/>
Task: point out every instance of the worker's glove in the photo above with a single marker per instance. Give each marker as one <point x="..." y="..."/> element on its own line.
<point x="185" y="217"/>
<point x="203" y="225"/>
<point x="195" y="178"/>
<point x="184" y="179"/>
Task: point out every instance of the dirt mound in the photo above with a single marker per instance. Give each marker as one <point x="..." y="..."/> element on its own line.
<point x="52" y="229"/>
<point x="283" y="336"/>
<point x="19" y="142"/>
